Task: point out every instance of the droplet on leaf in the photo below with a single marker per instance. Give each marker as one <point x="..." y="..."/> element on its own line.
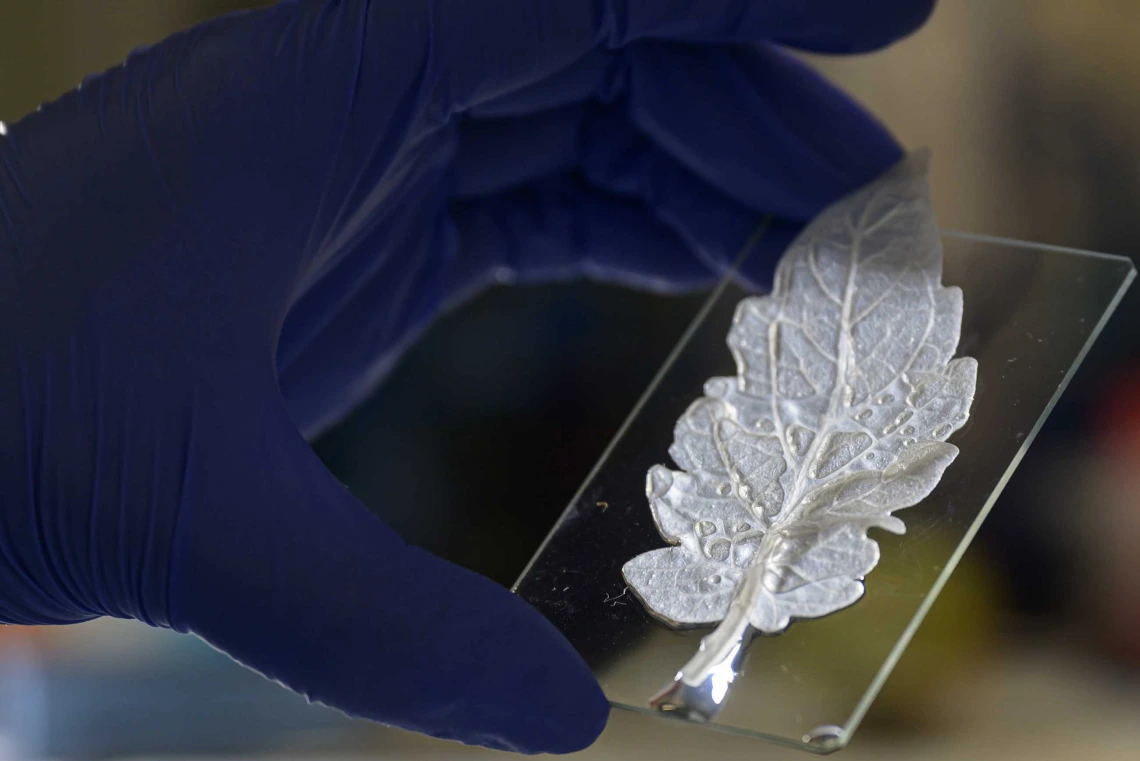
<point x="901" y="418"/>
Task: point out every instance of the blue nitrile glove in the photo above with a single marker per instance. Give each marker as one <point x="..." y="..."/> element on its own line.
<point x="224" y="245"/>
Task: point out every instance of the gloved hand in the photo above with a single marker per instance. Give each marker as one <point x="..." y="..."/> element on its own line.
<point x="227" y="242"/>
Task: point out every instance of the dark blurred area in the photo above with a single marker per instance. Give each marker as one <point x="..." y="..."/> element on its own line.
<point x="490" y="423"/>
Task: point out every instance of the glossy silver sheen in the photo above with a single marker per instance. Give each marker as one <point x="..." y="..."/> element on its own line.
<point x="845" y="394"/>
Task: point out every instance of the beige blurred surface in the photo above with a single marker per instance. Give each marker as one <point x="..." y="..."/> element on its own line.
<point x="1018" y="99"/>
<point x="1032" y="109"/>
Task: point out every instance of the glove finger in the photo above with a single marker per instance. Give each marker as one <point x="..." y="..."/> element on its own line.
<point x="618" y="159"/>
<point x="536" y="43"/>
<point x="768" y="132"/>
<point x="835" y="27"/>
<point x="766" y="129"/>
<point x="279" y="566"/>
<point x="500" y="155"/>
<point x="497" y="154"/>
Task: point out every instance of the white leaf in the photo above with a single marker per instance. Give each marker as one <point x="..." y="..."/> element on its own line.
<point x="845" y="393"/>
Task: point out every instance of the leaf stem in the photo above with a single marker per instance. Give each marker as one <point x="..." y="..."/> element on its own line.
<point x="701" y="686"/>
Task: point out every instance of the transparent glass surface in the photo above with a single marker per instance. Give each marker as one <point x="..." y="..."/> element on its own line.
<point x="1031" y="313"/>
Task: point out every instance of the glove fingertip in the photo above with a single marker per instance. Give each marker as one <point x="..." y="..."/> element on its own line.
<point x="524" y="687"/>
<point x="846" y="28"/>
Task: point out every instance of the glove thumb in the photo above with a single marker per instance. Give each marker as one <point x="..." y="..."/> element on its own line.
<point x="276" y="564"/>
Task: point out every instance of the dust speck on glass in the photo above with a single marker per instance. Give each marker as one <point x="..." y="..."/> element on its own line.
<point x="845" y="393"/>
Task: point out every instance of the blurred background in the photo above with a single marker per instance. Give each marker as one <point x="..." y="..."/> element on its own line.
<point x="1033" y="650"/>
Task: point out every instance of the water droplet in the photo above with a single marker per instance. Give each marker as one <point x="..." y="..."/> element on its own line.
<point x="870" y="455"/>
<point x="705" y="528"/>
<point x="885" y="399"/>
<point x="714" y="579"/>
<point x="960" y="416"/>
<point x="828" y="738"/>
<point x="719" y="550"/>
<point x="902" y="417"/>
<point x="864" y="414"/>
<point x="724" y="490"/>
<point x="767" y="426"/>
<point x="908" y="442"/>
<point x="941" y="431"/>
<point x="745" y="492"/>
<point x="741" y="527"/>
<point x="907" y="431"/>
